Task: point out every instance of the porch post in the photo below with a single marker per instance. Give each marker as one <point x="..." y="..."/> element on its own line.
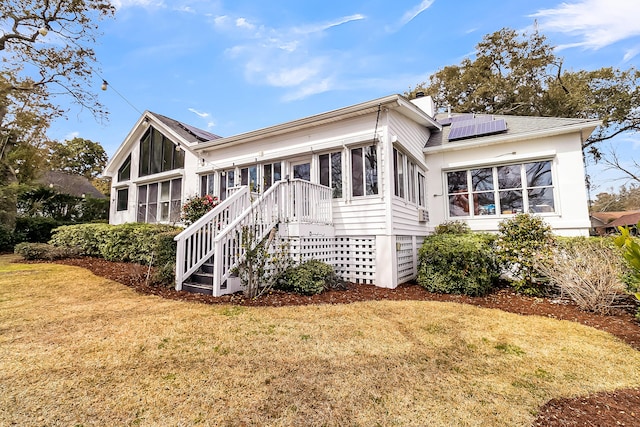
<point x="386" y="262"/>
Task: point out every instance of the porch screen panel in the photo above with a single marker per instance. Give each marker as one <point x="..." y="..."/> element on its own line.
<point x="371" y="169"/>
<point x="336" y="174"/>
<point x="176" y="199"/>
<point x="152" y="210"/>
<point x="142" y="203"/>
<point x="357" y="173"/>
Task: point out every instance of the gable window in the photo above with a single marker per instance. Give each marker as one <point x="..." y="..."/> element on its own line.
<point x="364" y="171"/>
<point x="124" y="173"/>
<point x="122" y="200"/>
<point x="331" y="172"/>
<point x="160" y="201"/>
<point x="507" y="189"/>
<point x="158" y="154"/>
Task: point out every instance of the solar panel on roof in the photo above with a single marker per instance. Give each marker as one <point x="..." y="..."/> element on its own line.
<point x="455" y="119"/>
<point x="478" y="126"/>
<point x="199" y="133"/>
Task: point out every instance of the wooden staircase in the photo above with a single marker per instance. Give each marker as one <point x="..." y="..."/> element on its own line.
<point x="209" y="250"/>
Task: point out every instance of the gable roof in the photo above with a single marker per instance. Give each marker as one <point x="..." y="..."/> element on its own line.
<point x="607" y="218"/>
<point x="518" y="128"/>
<point x="74" y="185"/>
<point x="180" y="133"/>
<point x="187" y="132"/>
<point x="392" y="102"/>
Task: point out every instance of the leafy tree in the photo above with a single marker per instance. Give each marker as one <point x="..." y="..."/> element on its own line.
<point x="627" y="198"/>
<point x="520" y="74"/>
<point x="47" y="54"/>
<point x="78" y="157"/>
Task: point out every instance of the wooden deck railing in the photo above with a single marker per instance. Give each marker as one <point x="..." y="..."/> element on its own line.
<point x="219" y="234"/>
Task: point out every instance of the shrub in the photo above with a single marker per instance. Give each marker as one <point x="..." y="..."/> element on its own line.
<point x="458" y="264"/>
<point x="6" y="239"/>
<point x="87" y="238"/>
<point x="587" y="270"/>
<point x="132" y="242"/>
<point x="43" y="251"/>
<point x="165" y="258"/>
<point x="309" y="278"/>
<point x="35" y="229"/>
<point x="524" y="242"/>
<point x="453" y="227"/>
<point x="196" y="207"/>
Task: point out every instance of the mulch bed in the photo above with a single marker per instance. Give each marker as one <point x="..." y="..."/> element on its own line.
<point x="618" y="408"/>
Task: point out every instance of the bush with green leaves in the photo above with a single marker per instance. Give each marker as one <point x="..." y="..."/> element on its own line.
<point x="524" y="242"/>
<point x="631" y="253"/>
<point x="309" y="278"/>
<point x="453" y="227"/>
<point x="131" y="242"/>
<point x="44" y="251"/>
<point x="87" y="238"/>
<point x="196" y="207"/>
<point x="458" y="264"/>
<point x="35" y="229"/>
<point x="6" y="239"/>
<point x="165" y="248"/>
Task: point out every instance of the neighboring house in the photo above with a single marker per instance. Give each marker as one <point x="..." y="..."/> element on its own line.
<point x="358" y="187"/>
<point x="73" y="185"/>
<point x="604" y="223"/>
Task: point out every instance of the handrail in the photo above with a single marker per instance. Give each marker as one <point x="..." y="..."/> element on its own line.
<point x="195" y="243"/>
<point x="219" y="234"/>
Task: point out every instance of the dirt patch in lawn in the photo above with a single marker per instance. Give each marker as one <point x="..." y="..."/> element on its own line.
<point x="602" y="409"/>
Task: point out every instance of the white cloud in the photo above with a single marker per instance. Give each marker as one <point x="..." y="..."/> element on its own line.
<point x="243" y="23"/>
<point x="410" y="15"/>
<point x="199" y="113"/>
<point x="597" y="23"/>
<point x="631" y="53"/>
<point x="320" y="86"/>
<point x="121" y="4"/>
<point x="211" y="125"/>
<point x="282" y="57"/>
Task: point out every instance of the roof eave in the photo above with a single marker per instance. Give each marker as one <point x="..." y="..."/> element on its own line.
<point x="588" y="126"/>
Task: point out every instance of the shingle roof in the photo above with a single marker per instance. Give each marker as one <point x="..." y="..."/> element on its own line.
<point x="74" y="185"/>
<point x="187" y="132"/>
<point x="609" y="217"/>
<point x="515" y="125"/>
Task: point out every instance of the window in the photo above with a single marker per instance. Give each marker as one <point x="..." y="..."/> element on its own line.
<point x="249" y="176"/>
<point x="504" y="189"/>
<point x="302" y="171"/>
<point x="160" y="201"/>
<point x="422" y="188"/>
<point x="398" y="173"/>
<point x="124" y="173"/>
<point x="207" y="184"/>
<point x="122" y="200"/>
<point x="158" y="154"/>
<point x="364" y="171"/>
<point x="331" y="172"/>
<point x="271" y="173"/>
<point x="226" y="182"/>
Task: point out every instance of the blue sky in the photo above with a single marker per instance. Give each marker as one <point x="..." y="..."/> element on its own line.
<point x="236" y="66"/>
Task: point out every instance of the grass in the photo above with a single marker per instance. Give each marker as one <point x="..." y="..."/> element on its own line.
<point x="76" y="349"/>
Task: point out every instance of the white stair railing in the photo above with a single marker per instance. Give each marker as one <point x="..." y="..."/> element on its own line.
<point x="219" y="234"/>
<point x="195" y="243"/>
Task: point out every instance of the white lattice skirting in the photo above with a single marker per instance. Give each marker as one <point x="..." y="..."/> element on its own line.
<point x="354" y="258"/>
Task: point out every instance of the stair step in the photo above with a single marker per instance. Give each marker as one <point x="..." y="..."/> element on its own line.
<point x="197" y="288"/>
<point x="206" y="268"/>
<point x="202" y="278"/>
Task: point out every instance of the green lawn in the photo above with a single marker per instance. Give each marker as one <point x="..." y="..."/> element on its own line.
<point x="76" y="349"/>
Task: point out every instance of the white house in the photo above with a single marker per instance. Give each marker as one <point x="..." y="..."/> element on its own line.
<point x="359" y="187"/>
